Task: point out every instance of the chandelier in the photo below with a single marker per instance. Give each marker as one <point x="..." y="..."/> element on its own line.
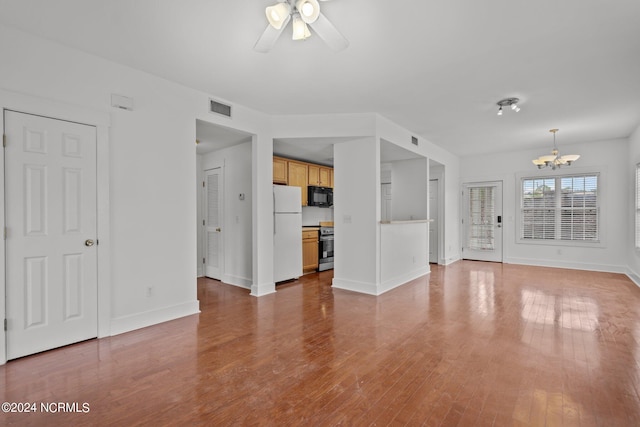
<point x="554" y="160"/>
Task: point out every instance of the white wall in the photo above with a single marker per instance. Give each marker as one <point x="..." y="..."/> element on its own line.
<point x="356" y="172"/>
<point x="237" y="214"/>
<point x="152" y="156"/>
<point x="199" y="217"/>
<point x="633" y="257"/>
<point x="391" y="132"/>
<point x="605" y="157"/>
<point x="410" y="186"/>
<point x="312" y="215"/>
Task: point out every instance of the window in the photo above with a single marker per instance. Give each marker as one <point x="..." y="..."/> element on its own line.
<point x="638" y="206"/>
<point x="560" y="208"/>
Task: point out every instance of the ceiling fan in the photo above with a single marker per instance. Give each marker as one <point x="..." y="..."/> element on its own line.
<point x="303" y="12"/>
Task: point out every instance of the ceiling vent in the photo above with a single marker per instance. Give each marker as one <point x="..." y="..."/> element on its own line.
<point x="219" y="108"/>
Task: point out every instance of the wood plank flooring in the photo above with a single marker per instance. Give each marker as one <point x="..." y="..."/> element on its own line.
<point x="474" y="344"/>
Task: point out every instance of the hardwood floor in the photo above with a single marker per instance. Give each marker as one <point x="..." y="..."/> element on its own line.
<point x="476" y="344"/>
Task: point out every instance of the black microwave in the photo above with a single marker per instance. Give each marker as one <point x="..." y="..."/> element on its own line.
<point x="320" y="196"/>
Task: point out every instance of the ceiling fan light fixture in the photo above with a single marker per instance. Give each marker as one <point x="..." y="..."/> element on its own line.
<point x="300" y="29"/>
<point x="277" y="14"/>
<point x="500" y="111"/>
<point x="309" y="10"/>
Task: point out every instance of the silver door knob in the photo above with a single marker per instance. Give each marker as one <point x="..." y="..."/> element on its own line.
<point x="88" y="242"/>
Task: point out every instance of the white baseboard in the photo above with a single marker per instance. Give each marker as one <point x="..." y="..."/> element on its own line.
<point x="132" y="322"/>
<point x="263" y="289"/>
<point x="354" y="286"/>
<point x="241" y="282"/>
<point x="570" y="265"/>
<point x="635" y="278"/>
<point x="394" y="282"/>
<point x="447" y="261"/>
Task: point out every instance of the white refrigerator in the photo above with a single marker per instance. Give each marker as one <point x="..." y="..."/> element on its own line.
<point x="287" y="232"/>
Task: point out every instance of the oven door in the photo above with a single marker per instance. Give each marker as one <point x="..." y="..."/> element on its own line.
<point x="325" y="253"/>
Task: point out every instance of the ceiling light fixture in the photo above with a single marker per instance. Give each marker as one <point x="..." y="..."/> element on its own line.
<point x="303" y="12"/>
<point x="553" y="160"/>
<point x="278" y="14"/>
<point x="511" y="102"/>
<point x="300" y="29"/>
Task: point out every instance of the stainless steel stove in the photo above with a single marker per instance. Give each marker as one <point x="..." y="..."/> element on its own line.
<point x="325" y="251"/>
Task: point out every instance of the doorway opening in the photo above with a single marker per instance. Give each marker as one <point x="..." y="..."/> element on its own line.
<point x="224" y="204"/>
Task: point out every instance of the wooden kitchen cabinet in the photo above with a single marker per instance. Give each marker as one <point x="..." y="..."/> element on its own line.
<point x="319" y="175"/>
<point x="280" y="169"/>
<point x="298" y="178"/>
<point x="309" y="250"/>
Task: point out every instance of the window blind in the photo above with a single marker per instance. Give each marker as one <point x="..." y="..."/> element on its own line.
<point x="560" y="208"/>
<point x="480" y="234"/>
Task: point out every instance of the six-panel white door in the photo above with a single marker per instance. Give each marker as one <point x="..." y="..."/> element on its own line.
<point x="51" y="258"/>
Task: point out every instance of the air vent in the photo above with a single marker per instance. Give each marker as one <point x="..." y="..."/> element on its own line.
<point x="414" y="140"/>
<point x="219" y="108"/>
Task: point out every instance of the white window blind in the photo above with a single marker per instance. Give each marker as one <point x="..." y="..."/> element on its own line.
<point x="480" y="235"/>
<point x="638" y="206"/>
<point x="560" y="208"/>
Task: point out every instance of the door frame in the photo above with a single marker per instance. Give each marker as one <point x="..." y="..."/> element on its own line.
<point x="101" y="120"/>
<point x="463" y="216"/>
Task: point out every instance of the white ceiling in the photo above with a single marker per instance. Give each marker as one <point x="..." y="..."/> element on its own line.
<point x="435" y="68"/>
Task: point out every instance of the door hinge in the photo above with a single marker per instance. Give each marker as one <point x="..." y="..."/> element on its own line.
<point x="4" y="140"/>
<point x="203" y="261"/>
<point x="203" y="183"/>
<point x="203" y="222"/>
<point x="5" y="233"/>
<point x="5" y="325"/>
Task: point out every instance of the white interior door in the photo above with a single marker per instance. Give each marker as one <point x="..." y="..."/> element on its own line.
<point x="482" y="221"/>
<point x="433" y="225"/>
<point x="51" y="228"/>
<point x="213" y="223"/>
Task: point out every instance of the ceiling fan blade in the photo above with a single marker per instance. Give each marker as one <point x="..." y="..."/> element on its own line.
<point x="268" y="39"/>
<point x="330" y="34"/>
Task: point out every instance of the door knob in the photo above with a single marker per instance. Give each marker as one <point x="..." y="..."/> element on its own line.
<point x="218" y="229"/>
<point x="88" y="242"/>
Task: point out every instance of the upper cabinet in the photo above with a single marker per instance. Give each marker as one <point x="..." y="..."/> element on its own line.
<point x="320" y="175"/>
<point x="298" y="178"/>
<point x="280" y="169"/>
<point x="301" y="174"/>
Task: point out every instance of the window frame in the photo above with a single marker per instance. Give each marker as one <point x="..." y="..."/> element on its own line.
<point x="562" y="173"/>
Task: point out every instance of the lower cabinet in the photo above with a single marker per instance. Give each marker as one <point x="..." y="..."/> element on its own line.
<point x="309" y="250"/>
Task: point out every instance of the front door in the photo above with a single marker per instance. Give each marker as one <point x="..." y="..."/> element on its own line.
<point x="482" y="221"/>
<point x="213" y="223"/>
<point x="51" y="228"/>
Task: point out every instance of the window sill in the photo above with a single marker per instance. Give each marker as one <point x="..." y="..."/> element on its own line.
<point x="571" y="243"/>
